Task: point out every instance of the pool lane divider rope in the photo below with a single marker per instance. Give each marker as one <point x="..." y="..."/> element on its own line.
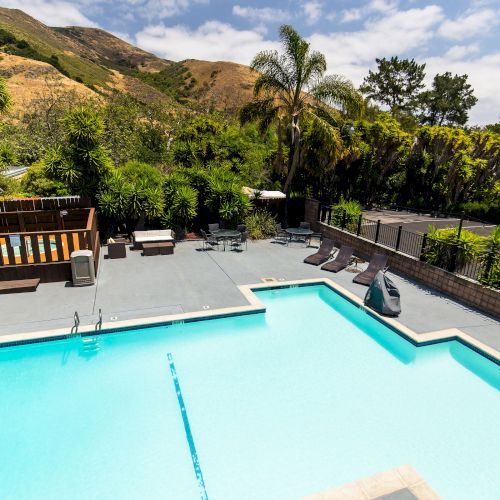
<point x="187" y="429"/>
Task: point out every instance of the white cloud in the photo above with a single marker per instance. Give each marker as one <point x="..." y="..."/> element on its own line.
<point x="212" y="41"/>
<point x="460" y="51"/>
<point x="52" y="12"/>
<point x="395" y="33"/>
<point x="261" y="15"/>
<point x="471" y="24"/>
<point x="374" y="6"/>
<point x="162" y="9"/>
<point x="313" y="11"/>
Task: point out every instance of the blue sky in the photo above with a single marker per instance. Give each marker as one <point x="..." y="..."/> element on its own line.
<point x="461" y="36"/>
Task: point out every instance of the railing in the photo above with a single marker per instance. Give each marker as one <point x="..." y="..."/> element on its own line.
<point x="483" y="266"/>
<point x="45" y="247"/>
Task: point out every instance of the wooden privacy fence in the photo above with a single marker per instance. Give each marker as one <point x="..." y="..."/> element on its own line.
<point x="37" y="249"/>
<point x="54" y="203"/>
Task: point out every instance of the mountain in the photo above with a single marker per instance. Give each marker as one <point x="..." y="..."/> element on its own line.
<point x="99" y="61"/>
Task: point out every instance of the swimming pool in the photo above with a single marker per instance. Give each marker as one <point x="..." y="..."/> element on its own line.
<point x="311" y="394"/>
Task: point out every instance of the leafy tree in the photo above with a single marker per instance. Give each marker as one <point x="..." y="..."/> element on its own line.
<point x="81" y="161"/>
<point x="395" y="84"/>
<point x="293" y="85"/>
<point x="448" y="102"/>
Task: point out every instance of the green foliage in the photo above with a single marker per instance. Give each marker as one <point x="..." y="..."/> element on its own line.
<point x="5" y="99"/>
<point x="292" y="85"/>
<point x="11" y="45"/>
<point x="395" y="84"/>
<point x="346" y="213"/>
<point x="132" y="190"/>
<point x="225" y="197"/>
<point x="8" y="155"/>
<point x="174" y="81"/>
<point x="36" y="183"/>
<point x="81" y="162"/>
<point x="445" y="249"/>
<point x="448" y="102"/>
<point x="260" y="224"/>
<point x="182" y="207"/>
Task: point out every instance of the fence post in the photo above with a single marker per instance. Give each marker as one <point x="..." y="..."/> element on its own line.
<point x="377" y="231"/>
<point x="422" y="249"/>
<point x="488" y="267"/>
<point x="360" y="220"/>
<point x="320" y="212"/>
<point x="342" y="224"/>
<point x="398" y="239"/>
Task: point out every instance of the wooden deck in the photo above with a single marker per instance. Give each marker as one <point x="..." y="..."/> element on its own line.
<point x="34" y="242"/>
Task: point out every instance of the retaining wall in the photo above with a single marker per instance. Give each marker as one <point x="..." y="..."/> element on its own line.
<point x="459" y="288"/>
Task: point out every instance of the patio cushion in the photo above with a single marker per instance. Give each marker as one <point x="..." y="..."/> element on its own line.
<point x="156" y="235"/>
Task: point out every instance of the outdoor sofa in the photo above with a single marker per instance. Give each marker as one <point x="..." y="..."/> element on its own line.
<point x="152" y="236"/>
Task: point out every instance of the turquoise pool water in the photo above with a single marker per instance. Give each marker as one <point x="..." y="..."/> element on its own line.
<point x="312" y="394"/>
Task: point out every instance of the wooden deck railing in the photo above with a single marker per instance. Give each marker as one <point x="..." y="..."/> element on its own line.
<point x="40" y="247"/>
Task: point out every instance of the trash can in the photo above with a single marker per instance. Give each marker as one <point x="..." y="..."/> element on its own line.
<point x="82" y="267"/>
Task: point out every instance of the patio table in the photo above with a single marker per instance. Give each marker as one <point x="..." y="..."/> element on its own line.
<point x="298" y="232"/>
<point x="226" y="234"/>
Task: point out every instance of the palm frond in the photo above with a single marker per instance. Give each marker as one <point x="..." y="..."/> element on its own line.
<point x="336" y="90"/>
<point x="314" y="67"/>
<point x="270" y="63"/>
<point x="263" y="111"/>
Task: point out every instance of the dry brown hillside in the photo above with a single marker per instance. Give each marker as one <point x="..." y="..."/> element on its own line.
<point x="29" y="80"/>
<point x="226" y="85"/>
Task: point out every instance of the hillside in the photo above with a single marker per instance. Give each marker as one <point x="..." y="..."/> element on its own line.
<point x="102" y="62"/>
<point x="29" y="80"/>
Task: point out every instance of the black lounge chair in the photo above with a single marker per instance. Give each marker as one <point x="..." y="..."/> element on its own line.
<point x="323" y="253"/>
<point x="378" y="262"/>
<point x="341" y="261"/>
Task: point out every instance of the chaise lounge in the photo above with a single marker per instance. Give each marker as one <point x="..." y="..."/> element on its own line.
<point x="154" y="236"/>
<point x="378" y="262"/>
<point x="341" y="261"/>
<point x="322" y="255"/>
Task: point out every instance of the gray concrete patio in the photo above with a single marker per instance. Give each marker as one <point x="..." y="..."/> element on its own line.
<point x="193" y="280"/>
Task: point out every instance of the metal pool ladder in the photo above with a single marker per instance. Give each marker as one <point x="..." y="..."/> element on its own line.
<point x="74" y="328"/>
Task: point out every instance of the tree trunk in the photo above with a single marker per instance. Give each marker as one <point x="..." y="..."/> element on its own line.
<point x="295" y="159"/>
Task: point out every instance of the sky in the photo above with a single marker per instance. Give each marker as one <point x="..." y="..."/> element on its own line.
<point x="460" y="36"/>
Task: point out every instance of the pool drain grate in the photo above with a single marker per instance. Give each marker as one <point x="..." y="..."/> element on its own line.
<point x="187" y="429"/>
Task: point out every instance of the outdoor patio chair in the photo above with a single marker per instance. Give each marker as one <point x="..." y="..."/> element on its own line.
<point x="322" y="255"/>
<point x="378" y="262"/>
<point x="281" y="235"/>
<point x="238" y="242"/>
<point x="305" y="225"/>
<point x="341" y="261"/>
<point x="116" y="249"/>
<point x="209" y="241"/>
<point x="241" y="228"/>
<point x="213" y="228"/>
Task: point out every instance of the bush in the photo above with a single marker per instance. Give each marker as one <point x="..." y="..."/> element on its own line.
<point x="346" y="212"/>
<point x="260" y="224"/>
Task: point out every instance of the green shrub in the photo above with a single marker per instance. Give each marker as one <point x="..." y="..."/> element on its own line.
<point x="260" y="224"/>
<point x="346" y="212"/>
<point x="182" y="208"/>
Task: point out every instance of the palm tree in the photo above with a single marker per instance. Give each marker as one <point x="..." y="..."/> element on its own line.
<point x="293" y="85"/>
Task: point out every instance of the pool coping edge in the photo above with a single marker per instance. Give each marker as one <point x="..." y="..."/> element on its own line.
<point x="254" y="307"/>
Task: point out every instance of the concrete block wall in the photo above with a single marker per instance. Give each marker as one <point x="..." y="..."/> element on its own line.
<point x="459" y="288"/>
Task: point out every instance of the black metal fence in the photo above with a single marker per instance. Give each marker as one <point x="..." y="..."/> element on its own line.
<point x="483" y="267"/>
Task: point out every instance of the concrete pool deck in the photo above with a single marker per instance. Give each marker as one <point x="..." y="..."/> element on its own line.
<point x="192" y="280"/>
